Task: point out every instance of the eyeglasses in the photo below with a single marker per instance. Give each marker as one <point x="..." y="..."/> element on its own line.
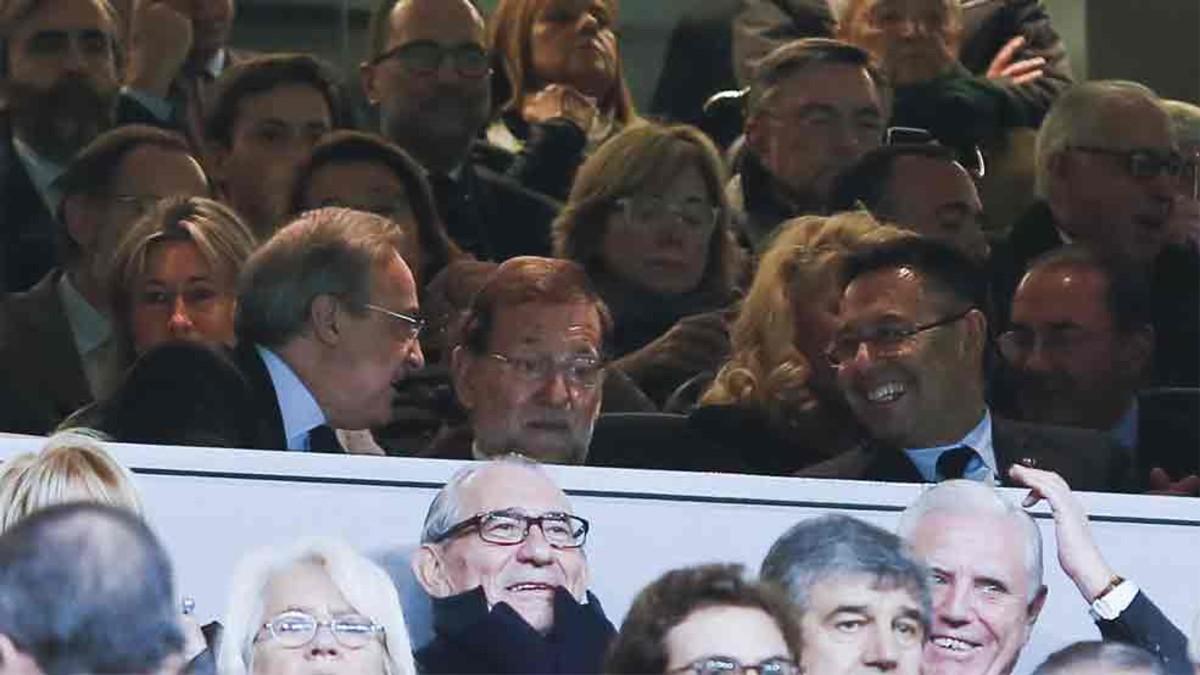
<point x="886" y="340"/>
<point x="579" y="371"/>
<point x="655" y="212"/>
<point x="424" y="57"/>
<point x="294" y="629"/>
<point x="508" y="527"/>
<point x="1019" y="343"/>
<point x="1142" y="163"/>
<point x="409" y="328"/>
<point x="727" y="665"/>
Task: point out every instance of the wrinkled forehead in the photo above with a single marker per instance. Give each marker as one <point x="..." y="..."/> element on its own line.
<point x="510" y="486"/>
<point x="446" y="22"/>
<point x="975" y="543"/>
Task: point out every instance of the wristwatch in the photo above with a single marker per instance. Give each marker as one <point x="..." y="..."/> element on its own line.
<point x="1114" y="599"/>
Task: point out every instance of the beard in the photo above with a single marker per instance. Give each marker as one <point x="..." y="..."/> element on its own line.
<point x="57" y="122"/>
<point x="439" y="129"/>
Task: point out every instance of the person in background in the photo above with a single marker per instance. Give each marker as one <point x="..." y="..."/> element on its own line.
<point x="706" y="620"/>
<point x="1184" y="223"/>
<point x="561" y="89"/>
<point x="648" y="220"/>
<point x="1100" y="658"/>
<point x="315" y="605"/>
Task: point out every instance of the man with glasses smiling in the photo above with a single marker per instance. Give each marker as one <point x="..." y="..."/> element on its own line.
<point x="908" y="354"/>
<point x="427" y="71"/>
<point x="502" y="557"/>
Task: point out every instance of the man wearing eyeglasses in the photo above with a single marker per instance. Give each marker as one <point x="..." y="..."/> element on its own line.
<point x="428" y="74"/>
<point x="908" y="354"/>
<point x="1107" y="170"/>
<point x="502" y="557"/>
<point x="327" y="325"/>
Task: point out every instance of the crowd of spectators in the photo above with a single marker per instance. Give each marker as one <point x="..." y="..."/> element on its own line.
<point x="905" y="246"/>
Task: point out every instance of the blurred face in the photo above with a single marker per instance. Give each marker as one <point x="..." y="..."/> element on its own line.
<point x="937" y="199"/>
<point x="813" y="125"/>
<point x="211" y="23"/>
<point x="914" y="40"/>
<point x="273" y="132"/>
<point x="518" y="400"/>
<point x="523" y="575"/>
<point x="61" y="76"/>
<point x="371" y="187"/>
<point x="422" y="110"/>
<point x="747" y="635"/>
<point x="1096" y="196"/>
<point x="1069" y="364"/>
<point x="981" y="613"/>
<point x="658" y="240"/>
<point x="375" y="350"/>
<point x="180" y="297"/>
<point x="306" y="587"/>
<point x="916" y="391"/>
<point x="572" y="42"/>
<point x="853" y="626"/>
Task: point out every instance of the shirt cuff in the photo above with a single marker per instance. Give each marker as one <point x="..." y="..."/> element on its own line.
<point x="161" y="108"/>
<point x="1110" y="605"/>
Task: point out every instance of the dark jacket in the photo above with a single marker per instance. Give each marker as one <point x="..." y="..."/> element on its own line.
<point x="549" y="157"/>
<point x="468" y="638"/>
<point x="1143" y="625"/>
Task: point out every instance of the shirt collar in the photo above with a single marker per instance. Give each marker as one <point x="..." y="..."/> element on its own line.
<point x="90" y="329"/>
<point x="216" y="64"/>
<point x="300" y="411"/>
<point x="43" y="173"/>
<point x="1126" y="430"/>
<point x="978" y="439"/>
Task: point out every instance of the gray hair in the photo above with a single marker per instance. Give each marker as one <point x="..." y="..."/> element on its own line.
<point x="1081" y="116"/>
<point x="445" y="511"/>
<point x="1101" y="657"/>
<point x="838" y="546"/>
<point x="328" y="251"/>
<point x="364" y="584"/>
<point x="1185" y="121"/>
<point x="962" y="497"/>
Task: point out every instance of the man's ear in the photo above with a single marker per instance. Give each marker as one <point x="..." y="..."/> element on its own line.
<point x="977" y="332"/>
<point x="324" y="318"/>
<point x="80" y="219"/>
<point x="756" y="138"/>
<point x="462" y="362"/>
<point x="368" y="75"/>
<point x="15" y="662"/>
<point x="430" y="571"/>
<point x="1034" y="610"/>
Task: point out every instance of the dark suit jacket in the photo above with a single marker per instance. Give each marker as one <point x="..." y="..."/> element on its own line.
<point x="266" y="421"/>
<point x="1087" y="460"/>
<point x="1142" y="624"/>
<point x="43" y="378"/>
<point x="27" y="228"/>
<point x="763" y="25"/>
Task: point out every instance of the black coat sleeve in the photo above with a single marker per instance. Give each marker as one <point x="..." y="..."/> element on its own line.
<point x="1142" y="624"/>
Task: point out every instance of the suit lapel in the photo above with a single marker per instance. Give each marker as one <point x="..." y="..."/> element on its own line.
<point x="48" y="347"/>
<point x="268" y="420"/>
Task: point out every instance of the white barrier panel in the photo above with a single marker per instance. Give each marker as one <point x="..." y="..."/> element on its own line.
<point x="211" y="506"/>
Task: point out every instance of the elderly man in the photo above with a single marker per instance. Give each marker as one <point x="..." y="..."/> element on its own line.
<point x="502" y="556"/>
<point x="814" y="107"/>
<point x="529" y="365"/>
<point x="908" y="355"/>
<point x="327" y="323"/>
<point x="86" y="588"/>
<point x="56" y="343"/>
<point x="1107" y="171"/>
<point x="1101" y="658"/>
<point x="1079" y="348"/>
<point x="435" y="110"/>
<point x="861" y="597"/>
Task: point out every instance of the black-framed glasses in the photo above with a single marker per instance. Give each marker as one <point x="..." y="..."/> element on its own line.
<point x="727" y="665"/>
<point x="652" y="211"/>
<point x="1141" y="163"/>
<point x="294" y="628"/>
<point x="508" y="527"/>
<point x="408" y="327"/>
<point x="425" y="57"/>
<point x="578" y="370"/>
<point x="885" y="340"/>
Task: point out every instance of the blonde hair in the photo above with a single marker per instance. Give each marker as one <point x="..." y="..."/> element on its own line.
<point x="644" y="156"/>
<point x="72" y="467"/>
<point x="364" y="584"/>
<point x="766" y="369"/>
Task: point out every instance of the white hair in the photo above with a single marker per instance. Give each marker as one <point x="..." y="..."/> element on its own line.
<point x="446" y="509"/>
<point x="968" y="497"/>
<point x="1081" y="115"/>
<point x="365" y="585"/>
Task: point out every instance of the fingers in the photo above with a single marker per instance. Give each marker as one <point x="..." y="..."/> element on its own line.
<point x="1005" y="56"/>
<point x="1025" y="71"/>
<point x="1043" y="485"/>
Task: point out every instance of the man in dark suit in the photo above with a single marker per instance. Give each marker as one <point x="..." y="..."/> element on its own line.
<point x="908" y="353"/>
<point x="57" y="348"/>
<point x="435" y="111"/>
<point x="327" y="324"/>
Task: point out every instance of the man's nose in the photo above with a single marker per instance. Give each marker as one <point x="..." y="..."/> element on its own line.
<point x="554" y="389"/>
<point x="414" y="357"/>
<point x="880" y="649"/>
<point x="536" y="549"/>
<point x="953" y="603"/>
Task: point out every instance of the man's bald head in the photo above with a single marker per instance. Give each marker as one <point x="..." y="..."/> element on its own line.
<point x="390" y="17"/>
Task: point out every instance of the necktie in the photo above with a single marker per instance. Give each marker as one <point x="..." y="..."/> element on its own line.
<point x="322" y="439"/>
<point x="953" y="462"/>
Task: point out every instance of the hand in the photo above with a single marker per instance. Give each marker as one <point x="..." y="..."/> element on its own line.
<point x="693" y="345"/>
<point x="1161" y="484"/>
<point x="1020" y="72"/>
<point x="558" y="101"/>
<point x="160" y="37"/>
<point x="1078" y="554"/>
